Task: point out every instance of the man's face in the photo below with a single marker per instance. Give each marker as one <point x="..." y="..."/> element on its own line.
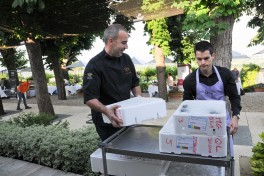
<point x="204" y="60"/>
<point x="120" y="44"/>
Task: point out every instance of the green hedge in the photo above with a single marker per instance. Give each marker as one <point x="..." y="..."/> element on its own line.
<point x="53" y="146"/>
<point x="257" y="159"/>
<point x="28" y="119"/>
<point x="249" y="74"/>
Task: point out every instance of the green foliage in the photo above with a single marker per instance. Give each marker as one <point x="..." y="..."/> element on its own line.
<point x="4" y="75"/>
<point x="36" y="19"/>
<point x="201" y="15"/>
<point x="48" y="76"/>
<point x="76" y="79"/>
<point x="257" y="159"/>
<point x="158" y="28"/>
<point x="52" y="146"/>
<point x="248" y="74"/>
<point x="149" y="71"/>
<point x="256" y="8"/>
<point x="260" y="85"/>
<point x="143" y="86"/>
<point x="172" y="70"/>
<point x="13" y="59"/>
<point x="176" y="33"/>
<point x="30" y="4"/>
<point x="188" y="49"/>
<point x="152" y="5"/>
<point x="25" y="120"/>
<point x="159" y="35"/>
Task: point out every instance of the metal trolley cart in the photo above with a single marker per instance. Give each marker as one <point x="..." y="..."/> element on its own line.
<point x="143" y="141"/>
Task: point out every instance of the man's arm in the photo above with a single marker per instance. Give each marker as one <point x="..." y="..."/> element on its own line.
<point x="109" y="112"/>
<point x="231" y="92"/>
<point x="189" y="86"/>
<point x="136" y="91"/>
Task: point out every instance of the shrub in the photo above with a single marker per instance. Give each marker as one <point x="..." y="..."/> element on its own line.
<point x="144" y="86"/>
<point x="257" y="159"/>
<point x="248" y="74"/>
<point x="260" y="85"/>
<point x="248" y="89"/>
<point x="48" y="76"/>
<point x="25" y="120"/>
<point x="172" y="70"/>
<point x="53" y="146"/>
<point x="4" y="75"/>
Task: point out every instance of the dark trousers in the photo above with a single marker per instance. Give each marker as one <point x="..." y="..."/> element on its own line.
<point x="20" y="96"/>
<point x="103" y="129"/>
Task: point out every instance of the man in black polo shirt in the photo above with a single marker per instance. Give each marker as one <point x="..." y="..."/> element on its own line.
<point x="108" y="78"/>
<point x="210" y="82"/>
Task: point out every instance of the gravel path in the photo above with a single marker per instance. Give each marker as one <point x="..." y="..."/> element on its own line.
<point x="251" y="102"/>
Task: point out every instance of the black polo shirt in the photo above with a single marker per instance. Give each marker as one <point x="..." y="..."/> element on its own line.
<point x="109" y="79"/>
<point x="230" y="88"/>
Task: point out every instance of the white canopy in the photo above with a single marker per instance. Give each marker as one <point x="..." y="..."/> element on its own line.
<point x="77" y="64"/>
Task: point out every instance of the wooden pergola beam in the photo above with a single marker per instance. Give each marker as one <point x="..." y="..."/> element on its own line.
<point x="132" y="9"/>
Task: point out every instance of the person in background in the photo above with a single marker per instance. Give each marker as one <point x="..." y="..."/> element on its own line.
<point x="211" y="82"/>
<point x="108" y="78"/>
<point x="66" y="82"/>
<point x="170" y="81"/>
<point x="22" y="88"/>
<point x="2" y="83"/>
<point x="236" y="76"/>
<point x="7" y="84"/>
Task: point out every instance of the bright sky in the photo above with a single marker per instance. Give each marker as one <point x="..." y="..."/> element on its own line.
<point x="242" y="36"/>
<point x="137" y="42"/>
<point x="138" y="48"/>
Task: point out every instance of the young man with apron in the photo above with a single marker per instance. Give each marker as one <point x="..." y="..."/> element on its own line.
<point x="211" y="82"/>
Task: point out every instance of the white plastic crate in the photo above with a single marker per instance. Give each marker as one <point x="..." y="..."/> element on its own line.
<point x="135" y="110"/>
<point x="206" y="117"/>
<point x="170" y="142"/>
<point x="121" y="165"/>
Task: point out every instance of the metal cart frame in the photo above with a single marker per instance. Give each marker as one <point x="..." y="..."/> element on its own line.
<point x="143" y="141"/>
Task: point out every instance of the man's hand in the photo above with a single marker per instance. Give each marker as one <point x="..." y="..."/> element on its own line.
<point x="116" y="122"/>
<point x="233" y="125"/>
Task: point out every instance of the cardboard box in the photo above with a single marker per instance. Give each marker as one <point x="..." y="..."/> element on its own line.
<point x="121" y="165"/>
<point x="206" y="117"/>
<point x="135" y="110"/>
<point x="171" y="142"/>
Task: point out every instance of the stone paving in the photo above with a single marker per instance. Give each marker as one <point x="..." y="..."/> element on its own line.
<point x="251" y="125"/>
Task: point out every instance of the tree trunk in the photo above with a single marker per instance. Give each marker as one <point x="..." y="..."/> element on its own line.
<point x="2" y="111"/>
<point x="38" y="73"/>
<point x="65" y="73"/>
<point x="160" y="65"/>
<point x="59" y="79"/>
<point x="8" y="58"/>
<point x="222" y="43"/>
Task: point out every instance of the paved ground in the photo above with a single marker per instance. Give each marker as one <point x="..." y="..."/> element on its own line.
<point x="13" y="167"/>
<point x="251" y="124"/>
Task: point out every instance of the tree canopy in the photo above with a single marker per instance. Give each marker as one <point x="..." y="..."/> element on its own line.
<point x="256" y="8"/>
<point x="201" y="15"/>
<point x="53" y="18"/>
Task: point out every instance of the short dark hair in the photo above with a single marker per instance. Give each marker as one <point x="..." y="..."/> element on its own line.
<point x="203" y="46"/>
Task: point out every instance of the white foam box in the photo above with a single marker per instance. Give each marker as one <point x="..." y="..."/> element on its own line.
<point x="121" y="165"/>
<point x="206" y="117"/>
<point x="171" y="142"/>
<point x="135" y="110"/>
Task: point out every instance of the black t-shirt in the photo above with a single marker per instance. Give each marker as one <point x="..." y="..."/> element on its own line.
<point x="109" y="79"/>
<point x="230" y="88"/>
